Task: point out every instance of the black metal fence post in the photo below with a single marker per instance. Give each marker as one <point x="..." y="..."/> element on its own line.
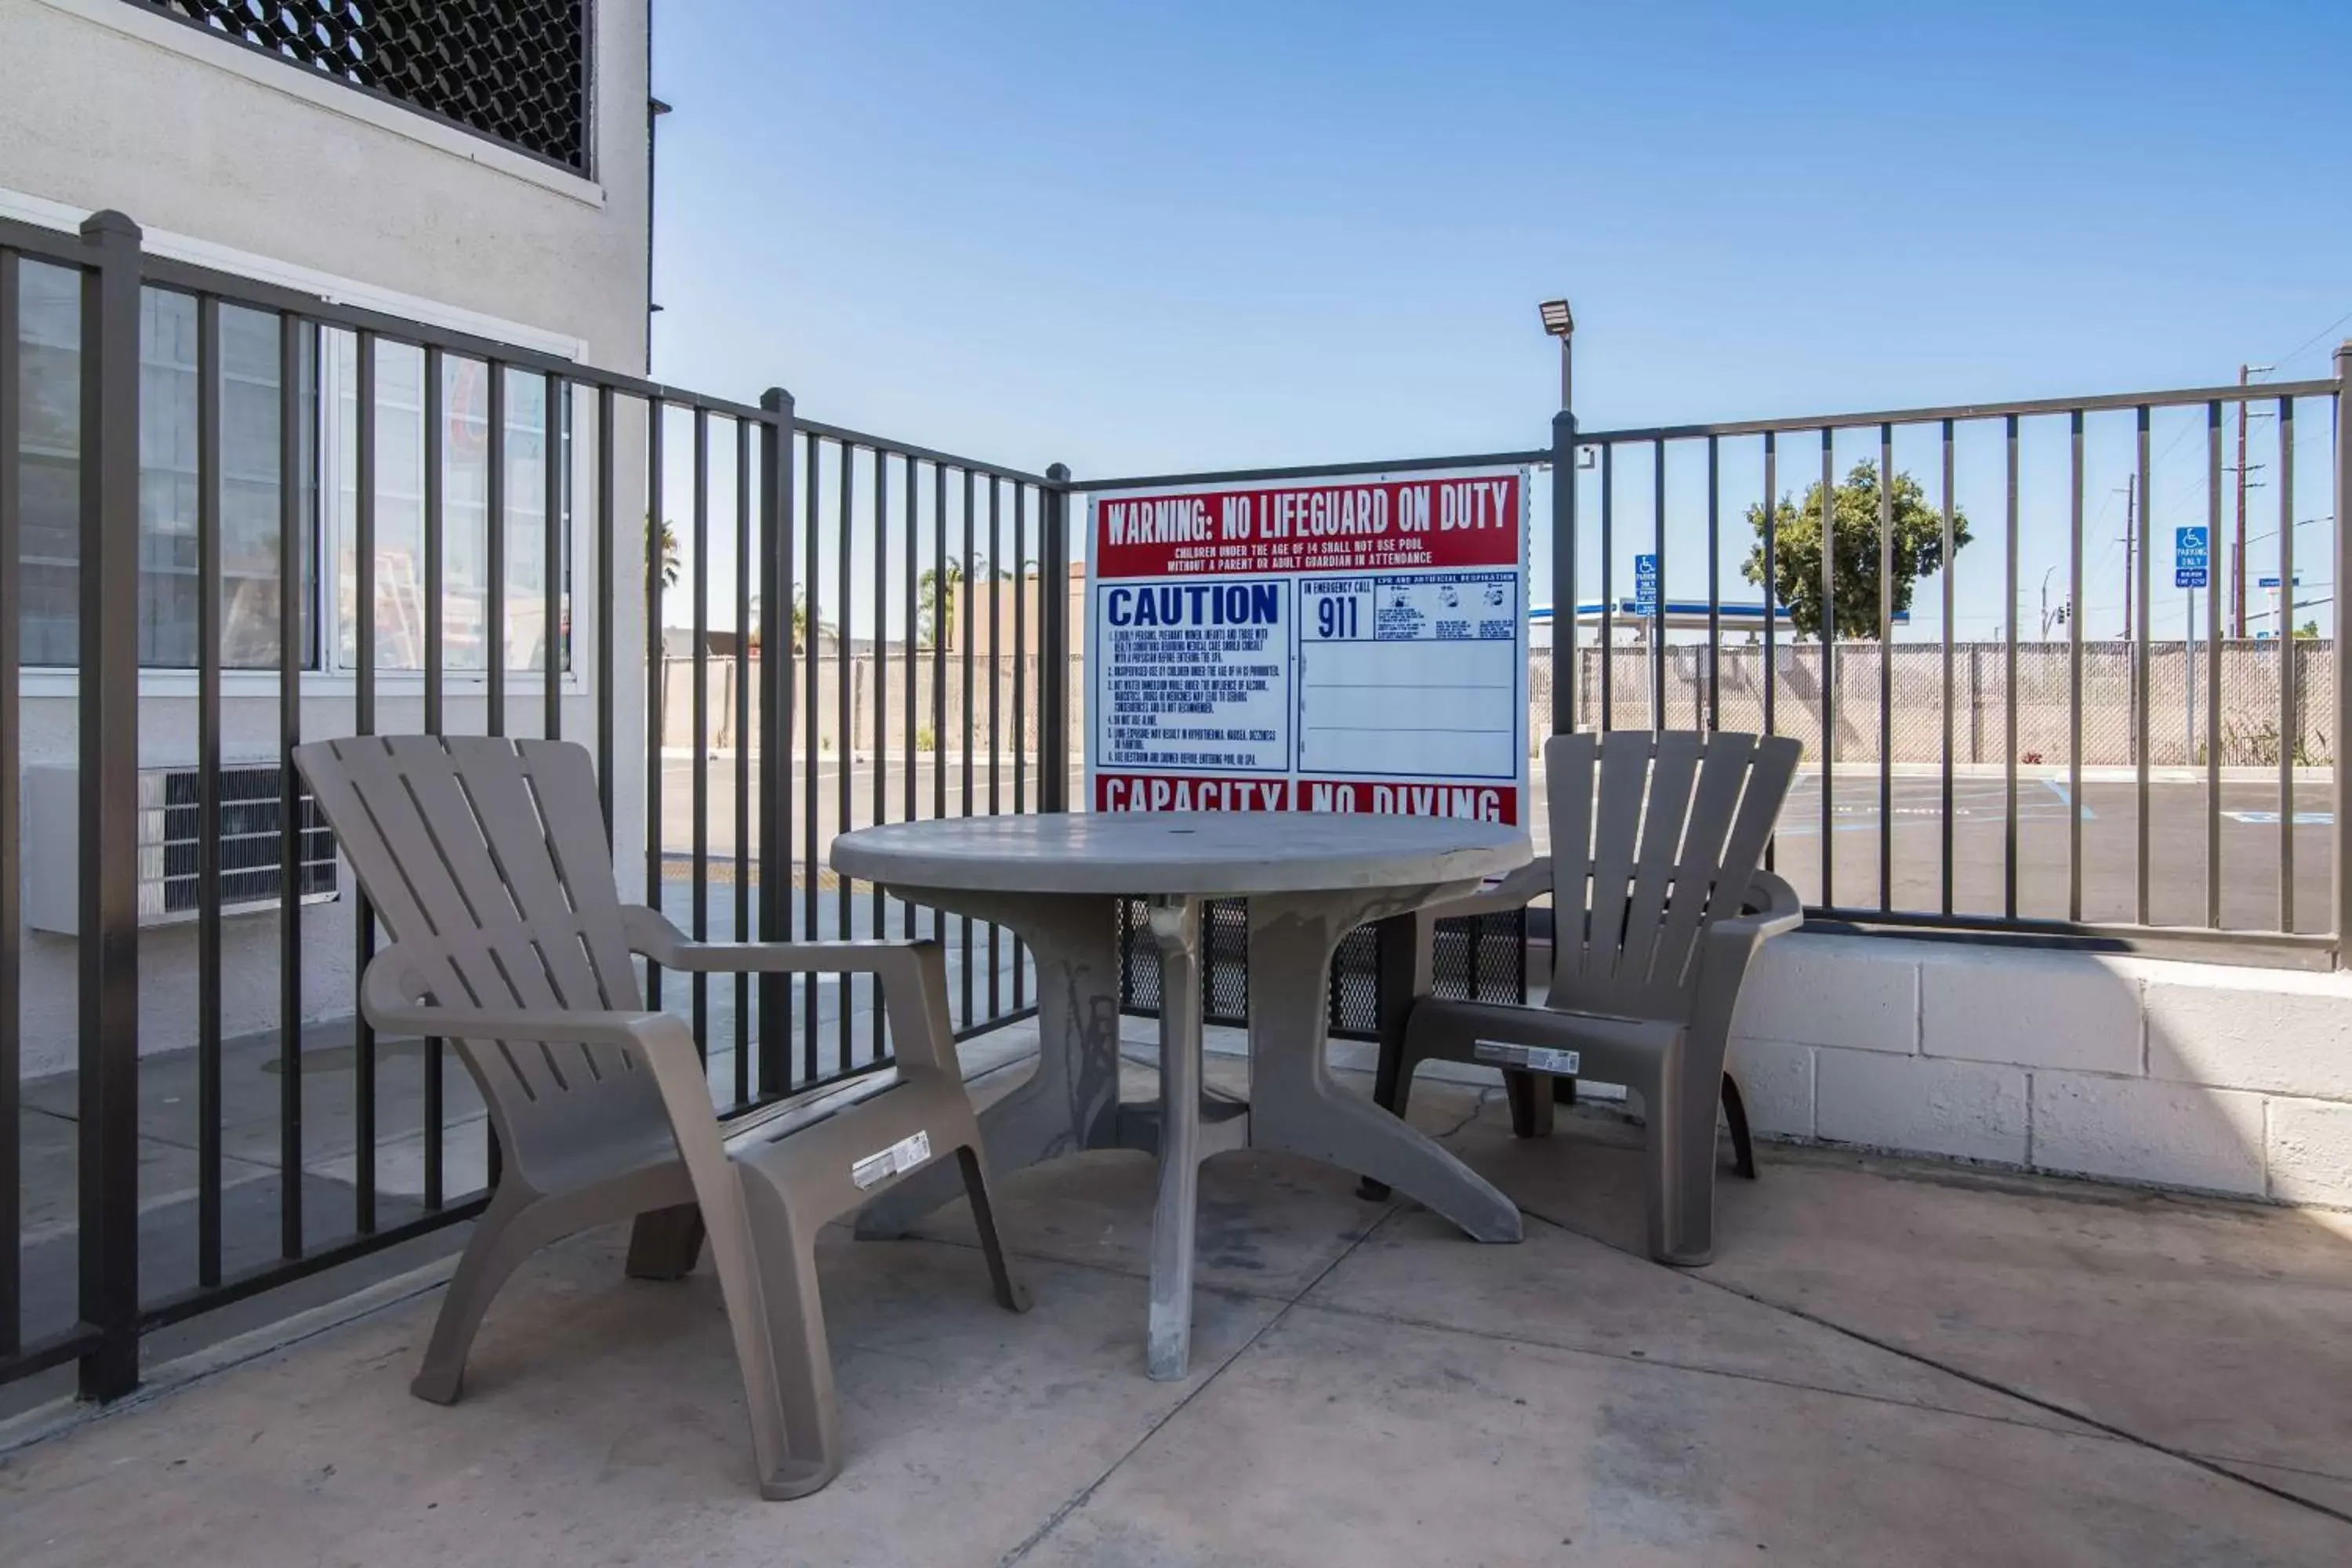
<point x="108" y="1059"/>
<point x="1404" y="972"/>
<point x="2341" y="925"/>
<point x="1054" y="642"/>
<point x="776" y="654"/>
<point x="1564" y="567"/>
<point x="12" y="868"/>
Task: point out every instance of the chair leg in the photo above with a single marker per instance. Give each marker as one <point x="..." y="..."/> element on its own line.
<point x="1011" y="1293"/>
<point x="795" y="1427"/>
<point x="1681" y="1152"/>
<point x="1734" y="1113"/>
<point x="1531" y="1103"/>
<point x="1391" y="1090"/>
<point x="510" y="1230"/>
<point x="665" y="1243"/>
<point x="1563" y="1089"/>
<point x="1405" y="949"/>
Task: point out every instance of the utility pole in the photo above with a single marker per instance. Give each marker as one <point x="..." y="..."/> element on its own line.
<point x="2246" y="372"/>
<point x="2131" y="497"/>
<point x="2237" y="555"/>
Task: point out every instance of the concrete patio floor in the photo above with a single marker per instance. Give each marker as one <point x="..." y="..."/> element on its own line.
<point x="1890" y="1362"/>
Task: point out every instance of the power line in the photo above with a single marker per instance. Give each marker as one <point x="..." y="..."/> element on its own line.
<point x="2299" y="522"/>
<point x="2315" y="338"/>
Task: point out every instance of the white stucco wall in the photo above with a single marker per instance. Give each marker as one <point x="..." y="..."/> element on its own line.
<point x="257" y="165"/>
<point x="104" y="104"/>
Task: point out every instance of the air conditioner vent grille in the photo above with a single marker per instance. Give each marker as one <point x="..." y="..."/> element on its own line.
<point x="171" y="850"/>
<point x="251" y="862"/>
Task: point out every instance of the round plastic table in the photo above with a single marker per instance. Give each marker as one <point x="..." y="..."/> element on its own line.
<point x="1308" y="880"/>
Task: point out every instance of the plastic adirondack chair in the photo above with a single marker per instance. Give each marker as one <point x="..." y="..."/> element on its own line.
<point x="487" y="863"/>
<point x="1658" y="906"/>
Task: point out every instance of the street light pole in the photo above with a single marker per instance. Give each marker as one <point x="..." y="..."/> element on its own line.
<point x="1559" y="323"/>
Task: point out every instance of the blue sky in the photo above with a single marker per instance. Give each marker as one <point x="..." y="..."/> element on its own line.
<point x="1209" y="234"/>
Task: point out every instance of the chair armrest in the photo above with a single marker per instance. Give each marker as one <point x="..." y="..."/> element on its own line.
<point x="1500" y="895"/>
<point x="1770" y="907"/>
<point x="642" y="1032"/>
<point x="651" y="934"/>
<point x="913" y="976"/>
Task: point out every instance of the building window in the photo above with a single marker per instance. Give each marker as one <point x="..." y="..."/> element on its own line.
<point x="400" y="578"/>
<point x="252" y="529"/>
<point x="170" y="476"/>
<point x="48" y="449"/>
<point x="515" y="70"/>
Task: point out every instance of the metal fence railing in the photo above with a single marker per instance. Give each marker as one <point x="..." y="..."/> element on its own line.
<point x="233" y="515"/>
<point x="2157" y="784"/>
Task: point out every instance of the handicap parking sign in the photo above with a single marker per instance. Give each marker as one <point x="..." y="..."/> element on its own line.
<point x="1645" y="583"/>
<point x="2191" y="557"/>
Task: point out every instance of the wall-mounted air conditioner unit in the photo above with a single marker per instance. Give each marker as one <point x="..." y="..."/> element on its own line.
<point x="250" y="879"/>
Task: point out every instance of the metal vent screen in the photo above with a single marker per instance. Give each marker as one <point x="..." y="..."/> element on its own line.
<point x="515" y="70"/>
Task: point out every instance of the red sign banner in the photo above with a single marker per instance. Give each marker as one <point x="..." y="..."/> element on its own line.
<point x="1400" y="525"/>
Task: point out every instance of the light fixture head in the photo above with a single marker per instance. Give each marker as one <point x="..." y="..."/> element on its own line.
<point x="1556" y="319"/>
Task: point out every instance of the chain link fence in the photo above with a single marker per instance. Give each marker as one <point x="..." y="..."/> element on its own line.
<point x="2253" y="724"/>
<point x="2183" y="723"/>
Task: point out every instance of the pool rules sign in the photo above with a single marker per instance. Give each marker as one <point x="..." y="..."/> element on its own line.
<point x="1340" y="644"/>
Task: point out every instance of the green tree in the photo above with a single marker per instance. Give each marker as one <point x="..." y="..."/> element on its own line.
<point x="1797" y="551"/>
<point x="2309" y="631"/>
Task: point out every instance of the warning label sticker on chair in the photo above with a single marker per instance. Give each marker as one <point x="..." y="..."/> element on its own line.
<point x="1530" y="1058"/>
<point x="898" y="1158"/>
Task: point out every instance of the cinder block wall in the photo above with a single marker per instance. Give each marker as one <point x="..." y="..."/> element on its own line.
<point x="2203" y="1078"/>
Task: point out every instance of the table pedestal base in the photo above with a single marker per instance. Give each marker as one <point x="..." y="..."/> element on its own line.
<point x="1070" y="1101"/>
<point x="1295" y="1107"/>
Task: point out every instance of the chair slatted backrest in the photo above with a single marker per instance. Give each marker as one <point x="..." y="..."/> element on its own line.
<point x="486" y="861"/>
<point x="1654" y="835"/>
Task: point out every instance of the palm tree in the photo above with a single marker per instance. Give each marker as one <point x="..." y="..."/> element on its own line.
<point x="668" y="536"/>
<point x="800" y="622"/>
<point x="939" y="605"/>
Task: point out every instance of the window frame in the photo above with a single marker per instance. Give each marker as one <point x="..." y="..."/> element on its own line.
<point x="324" y="673"/>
